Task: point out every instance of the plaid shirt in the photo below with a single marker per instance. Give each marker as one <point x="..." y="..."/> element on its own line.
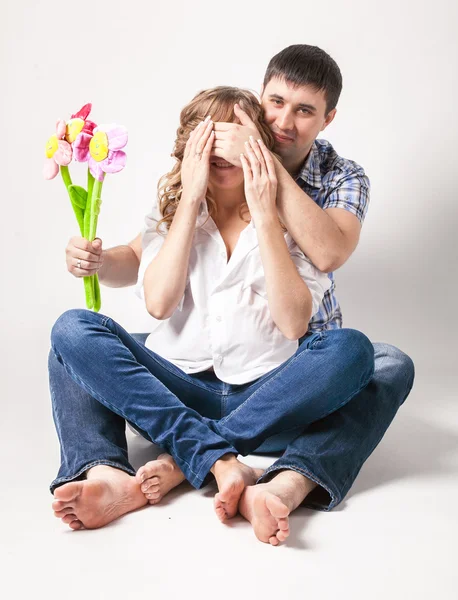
<point x="333" y="182"/>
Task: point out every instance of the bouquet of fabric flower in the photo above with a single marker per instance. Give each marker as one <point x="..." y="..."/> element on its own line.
<point x="99" y="146"/>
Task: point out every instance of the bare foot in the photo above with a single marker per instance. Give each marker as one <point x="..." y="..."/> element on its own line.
<point x="105" y="495"/>
<point x="232" y="477"/>
<point x="158" y="477"/>
<point x="266" y="512"/>
<point x="267" y="505"/>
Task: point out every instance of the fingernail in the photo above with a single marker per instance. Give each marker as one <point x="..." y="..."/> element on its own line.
<point x="251" y="138"/>
<point x="259" y="141"/>
<point x="207" y="118"/>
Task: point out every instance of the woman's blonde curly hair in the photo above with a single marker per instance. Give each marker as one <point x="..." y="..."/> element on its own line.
<point x="219" y="103"/>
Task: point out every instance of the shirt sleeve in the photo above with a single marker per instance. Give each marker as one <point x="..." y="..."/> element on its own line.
<point x="317" y="282"/>
<point x="351" y="193"/>
<point x="152" y="242"/>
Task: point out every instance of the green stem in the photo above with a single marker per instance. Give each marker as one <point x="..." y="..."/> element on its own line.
<point x="90" y="222"/>
<point x="66" y="176"/>
<point x="90" y="187"/>
<point x="97" y="297"/>
<point x="80" y="217"/>
<point x="79" y="212"/>
<point x="96" y="201"/>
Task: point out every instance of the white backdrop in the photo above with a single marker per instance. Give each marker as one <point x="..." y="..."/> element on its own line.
<point x="139" y="63"/>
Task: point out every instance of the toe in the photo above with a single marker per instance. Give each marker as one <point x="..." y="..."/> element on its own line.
<point x="69" y="518"/>
<point x="76" y="525"/>
<point x="141" y="475"/>
<point x="273" y="541"/>
<point x="149" y="470"/>
<point x="153" y="495"/>
<point x="59" y="505"/>
<point x="65" y="511"/>
<point x="220" y="509"/>
<point x="282" y="535"/>
<point x="68" y="492"/>
<point x="153" y="482"/>
<point x="145" y="471"/>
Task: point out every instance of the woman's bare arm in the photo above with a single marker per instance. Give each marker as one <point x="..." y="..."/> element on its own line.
<point x="120" y="264"/>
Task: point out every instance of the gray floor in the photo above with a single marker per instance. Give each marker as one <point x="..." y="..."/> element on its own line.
<point x="393" y="536"/>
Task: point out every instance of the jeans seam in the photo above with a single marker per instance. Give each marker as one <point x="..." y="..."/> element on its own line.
<point x="94" y="463"/>
<point x="110" y="406"/>
<point x="408" y="390"/>
<point x="164" y="366"/>
<point x="306" y="473"/>
<point x="211" y="461"/>
<point x="269" y="381"/>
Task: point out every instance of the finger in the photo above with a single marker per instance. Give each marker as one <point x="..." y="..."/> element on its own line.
<point x="248" y="175"/>
<point x="75" y="253"/>
<point x="222" y="136"/>
<point x="83" y="272"/>
<point x="269" y="160"/>
<point x="254" y="163"/>
<point x="242" y="116"/>
<point x="86" y="265"/>
<point x="208" y="146"/>
<point x="203" y="137"/>
<point x="257" y="150"/>
<point x="217" y="150"/>
<point x="82" y="244"/>
<point x="221" y="126"/>
<point x="191" y="139"/>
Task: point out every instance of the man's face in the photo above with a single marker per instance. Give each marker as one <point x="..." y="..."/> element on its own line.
<point x="296" y="116"/>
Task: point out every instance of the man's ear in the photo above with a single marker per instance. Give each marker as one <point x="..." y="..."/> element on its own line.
<point x="329" y="119"/>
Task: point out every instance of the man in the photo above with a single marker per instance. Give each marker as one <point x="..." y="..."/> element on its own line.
<point x="322" y="200"/>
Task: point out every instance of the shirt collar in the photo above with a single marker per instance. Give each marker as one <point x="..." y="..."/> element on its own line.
<point x="310" y="172"/>
<point x="203" y="214"/>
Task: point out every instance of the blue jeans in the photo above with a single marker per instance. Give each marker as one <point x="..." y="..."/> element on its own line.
<point x="101" y="376"/>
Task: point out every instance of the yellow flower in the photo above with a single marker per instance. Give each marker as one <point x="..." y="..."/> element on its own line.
<point x="98" y="146"/>
<point x="74" y="127"/>
<point x="51" y="146"/>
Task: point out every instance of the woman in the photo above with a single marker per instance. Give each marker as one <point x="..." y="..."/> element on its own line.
<point x="231" y="294"/>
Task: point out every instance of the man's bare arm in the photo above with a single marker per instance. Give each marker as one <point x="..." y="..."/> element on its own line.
<point x="121" y="263"/>
<point x="327" y="237"/>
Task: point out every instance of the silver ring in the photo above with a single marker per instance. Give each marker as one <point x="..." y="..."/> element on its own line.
<point x="78" y="264"/>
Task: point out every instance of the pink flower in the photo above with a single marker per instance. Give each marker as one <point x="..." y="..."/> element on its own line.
<point x="102" y="149"/>
<point x="79" y="124"/>
<point x="58" y="151"/>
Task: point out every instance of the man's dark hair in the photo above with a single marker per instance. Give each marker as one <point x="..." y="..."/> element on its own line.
<point x="303" y="65"/>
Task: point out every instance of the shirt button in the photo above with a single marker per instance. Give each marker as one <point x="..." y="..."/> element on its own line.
<point x="219" y="319"/>
<point x="219" y="359"/>
<point x="223" y="255"/>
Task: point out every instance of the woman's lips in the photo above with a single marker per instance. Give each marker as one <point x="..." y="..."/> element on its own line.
<point x="221" y="164"/>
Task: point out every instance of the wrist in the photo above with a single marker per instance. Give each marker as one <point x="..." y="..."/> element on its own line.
<point x="102" y="272"/>
<point x="189" y="196"/>
<point x="266" y="220"/>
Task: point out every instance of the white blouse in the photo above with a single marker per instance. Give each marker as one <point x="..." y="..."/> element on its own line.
<point x="223" y="319"/>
